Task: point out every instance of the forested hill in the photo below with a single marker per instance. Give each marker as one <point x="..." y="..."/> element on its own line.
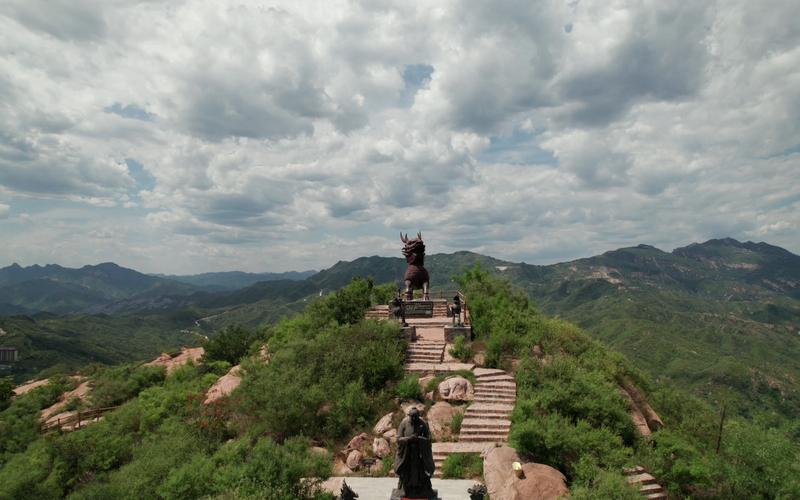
<point x="720" y="317"/>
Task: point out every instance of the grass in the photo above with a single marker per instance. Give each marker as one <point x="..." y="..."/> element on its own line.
<point x="462" y="466"/>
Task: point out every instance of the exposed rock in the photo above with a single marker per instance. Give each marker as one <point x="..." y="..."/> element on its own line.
<point x="430" y="395"/>
<point x="192" y="354"/>
<point x="424" y="381"/>
<point x="340" y="468"/>
<point x="357" y="442"/>
<point x="413" y="404"/>
<point x="538" y="481"/>
<point x="376" y="468"/>
<point x="390" y="435"/>
<point x="384" y="424"/>
<point x="354" y="459"/>
<point x="479" y="359"/>
<point x="224" y="385"/>
<point x="29" y="386"/>
<point x="639" y="404"/>
<point x="537" y="351"/>
<point x="439" y="418"/>
<point x="264" y="354"/>
<point x="380" y="447"/>
<point x="456" y="389"/>
<point x="81" y="392"/>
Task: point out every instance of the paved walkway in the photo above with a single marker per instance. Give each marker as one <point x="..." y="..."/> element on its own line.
<point x="380" y="488"/>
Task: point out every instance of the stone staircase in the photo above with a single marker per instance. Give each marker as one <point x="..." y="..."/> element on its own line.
<point x="647" y="484"/>
<point x="377" y="312"/>
<point x="487" y="418"/>
<point x="424" y="351"/>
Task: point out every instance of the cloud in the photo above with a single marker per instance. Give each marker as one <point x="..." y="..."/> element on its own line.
<point x="4" y="210"/>
<point x="206" y="135"/>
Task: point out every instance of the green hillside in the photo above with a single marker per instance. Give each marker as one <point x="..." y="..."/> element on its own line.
<point x="63" y="290"/>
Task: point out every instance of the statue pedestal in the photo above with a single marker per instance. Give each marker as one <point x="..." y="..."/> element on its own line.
<point x="418" y="308"/>
<point x="397" y="496"/>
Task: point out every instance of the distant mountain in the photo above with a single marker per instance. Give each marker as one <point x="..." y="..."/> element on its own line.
<point x="721" y="317"/>
<point x="61" y="290"/>
<point x="234" y="280"/>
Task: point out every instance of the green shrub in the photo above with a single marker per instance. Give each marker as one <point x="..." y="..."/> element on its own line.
<point x="230" y="344"/>
<point x="455" y="423"/>
<point x="462" y="466"/>
<point x="409" y="388"/>
<point x="115" y="385"/>
<point x="604" y="486"/>
<point x="555" y="440"/>
<point x="462" y="349"/>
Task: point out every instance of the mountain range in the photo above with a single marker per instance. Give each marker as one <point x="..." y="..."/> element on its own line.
<point x="721" y="317"/>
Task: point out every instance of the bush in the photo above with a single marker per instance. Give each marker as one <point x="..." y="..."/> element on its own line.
<point x="409" y="388"/>
<point x="461" y="350"/>
<point x="604" y="486"/>
<point x="556" y="441"/>
<point x="113" y="386"/>
<point x="455" y="423"/>
<point x="230" y="344"/>
<point x="462" y="466"/>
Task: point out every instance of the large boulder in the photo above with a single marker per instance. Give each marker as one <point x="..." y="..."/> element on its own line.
<point x="538" y="481"/>
<point x="384" y="424"/>
<point x="380" y="447"/>
<point x="354" y="459"/>
<point x="224" y="385"/>
<point x="456" y="389"/>
<point x="390" y="435"/>
<point x="439" y="418"/>
<point x="357" y="442"/>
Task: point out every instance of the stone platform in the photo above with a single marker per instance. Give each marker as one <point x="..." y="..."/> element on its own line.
<point x="380" y="488"/>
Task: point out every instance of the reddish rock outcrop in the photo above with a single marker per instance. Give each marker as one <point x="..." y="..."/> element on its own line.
<point x="439" y="418"/>
<point x="456" y="389"/>
<point x="187" y="354"/>
<point x="384" y="424"/>
<point x="224" y="385"/>
<point x="538" y="481"/>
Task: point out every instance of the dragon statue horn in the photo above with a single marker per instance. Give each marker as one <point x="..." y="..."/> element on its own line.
<point x="404" y="239"/>
<point x="419" y="235"/>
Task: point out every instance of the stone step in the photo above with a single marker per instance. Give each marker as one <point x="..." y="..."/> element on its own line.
<point x="650" y="488"/>
<point x="425" y="348"/>
<point x="495" y="390"/>
<point x="642" y="478"/>
<point x="502" y="377"/>
<point x="456" y="447"/>
<point x="501" y="431"/>
<point x="491" y="407"/>
<point x="656" y="496"/>
<point x="494" y="398"/>
<point x="469" y="422"/>
<point x="488" y="416"/>
<point x="483" y="439"/>
<point x="483" y="372"/>
<point x="495" y="383"/>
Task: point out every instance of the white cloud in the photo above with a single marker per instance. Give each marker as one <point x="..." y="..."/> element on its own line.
<point x="319" y="129"/>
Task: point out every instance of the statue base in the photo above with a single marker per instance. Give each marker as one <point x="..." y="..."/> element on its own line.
<point x="398" y="495"/>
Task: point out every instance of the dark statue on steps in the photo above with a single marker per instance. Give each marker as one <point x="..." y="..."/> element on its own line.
<point x="416" y="276"/>
<point x="413" y="463"/>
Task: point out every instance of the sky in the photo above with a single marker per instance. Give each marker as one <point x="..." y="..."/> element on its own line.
<point x="187" y="136"/>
